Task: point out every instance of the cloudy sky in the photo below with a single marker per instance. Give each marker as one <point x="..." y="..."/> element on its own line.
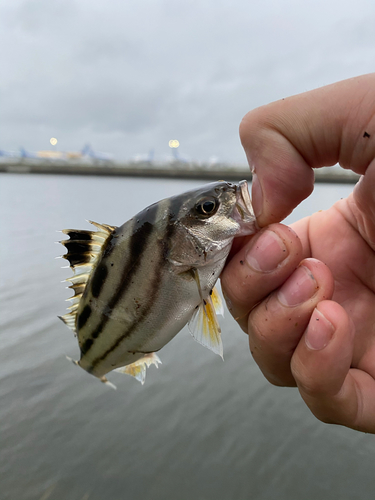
<point x="129" y="75"/>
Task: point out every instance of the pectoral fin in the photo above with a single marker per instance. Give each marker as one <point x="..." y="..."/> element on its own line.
<point x="204" y="325"/>
<point x="205" y="328"/>
<point x="217" y="301"/>
<point x="138" y="368"/>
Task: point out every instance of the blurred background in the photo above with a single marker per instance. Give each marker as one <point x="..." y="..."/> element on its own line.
<point x="127" y="77"/>
<point x="116" y="82"/>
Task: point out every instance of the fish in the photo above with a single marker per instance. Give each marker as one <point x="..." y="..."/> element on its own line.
<point x="137" y="285"/>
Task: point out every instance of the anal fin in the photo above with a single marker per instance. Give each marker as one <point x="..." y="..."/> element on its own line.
<point x="138" y="368"/>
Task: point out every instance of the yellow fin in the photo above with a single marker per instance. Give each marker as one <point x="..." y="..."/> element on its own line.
<point x="205" y="328"/>
<point x="138" y="368"/>
<point x="204" y="325"/>
<point x="217" y="301"/>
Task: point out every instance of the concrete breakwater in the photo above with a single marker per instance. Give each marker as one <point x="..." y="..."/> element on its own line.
<point x="176" y="170"/>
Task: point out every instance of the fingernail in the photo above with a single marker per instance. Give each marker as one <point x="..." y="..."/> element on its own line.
<point x="319" y="331"/>
<point x="256" y="195"/>
<point x="266" y="253"/>
<point x="298" y="288"/>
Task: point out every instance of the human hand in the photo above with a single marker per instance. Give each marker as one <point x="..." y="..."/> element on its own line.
<point x="306" y="294"/>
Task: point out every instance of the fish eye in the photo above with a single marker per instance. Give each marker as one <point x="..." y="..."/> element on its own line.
<point x="207" y="207"/>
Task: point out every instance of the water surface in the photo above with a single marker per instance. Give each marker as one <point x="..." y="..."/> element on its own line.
<point x="200" y="428"/>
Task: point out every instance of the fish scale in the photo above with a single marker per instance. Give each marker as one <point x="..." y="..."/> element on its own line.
<point x="140" y="283"/>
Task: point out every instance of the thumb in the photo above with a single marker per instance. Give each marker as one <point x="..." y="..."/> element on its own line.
<point x="334" y="392"/>
<point x="363" y="206"/>
<point x="286" y="139"/>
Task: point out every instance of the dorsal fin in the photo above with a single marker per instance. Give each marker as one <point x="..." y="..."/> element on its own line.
<point x="84" y="249"/>
<point x="84" y="246"/>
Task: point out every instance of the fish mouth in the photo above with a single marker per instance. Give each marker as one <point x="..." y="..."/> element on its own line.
<point x="243" y="212"/>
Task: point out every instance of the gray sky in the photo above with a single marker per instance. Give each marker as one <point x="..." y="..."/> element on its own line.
<point x="128" y="75"/>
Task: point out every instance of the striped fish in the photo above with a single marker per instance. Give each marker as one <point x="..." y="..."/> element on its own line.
<point x="137" y="285"/>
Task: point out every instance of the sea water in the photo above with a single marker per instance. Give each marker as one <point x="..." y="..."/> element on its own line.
<point x="199" y="429"/>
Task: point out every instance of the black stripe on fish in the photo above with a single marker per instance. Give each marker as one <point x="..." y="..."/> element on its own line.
<point x="88" y="343"/>
<point x="152" y="298"/>
<point x="98" y="279"/>
<point x="79" y="234"/>
<point x="79" y="247"/>
<point x="78" y="258"/>
<point x="142" y="231"/>
<point x="84" y="245"/>
<point x="84" y="249"/>
<point x="84" y="316"/>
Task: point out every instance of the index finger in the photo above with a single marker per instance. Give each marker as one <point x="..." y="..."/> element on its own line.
<point x="286" y="139"/>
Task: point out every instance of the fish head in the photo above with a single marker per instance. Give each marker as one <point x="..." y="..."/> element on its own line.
<point x="212" y="216"/>
<point x="221" y="209"/>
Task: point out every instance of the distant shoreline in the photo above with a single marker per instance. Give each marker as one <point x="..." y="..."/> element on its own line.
<point x="177" y="170"/>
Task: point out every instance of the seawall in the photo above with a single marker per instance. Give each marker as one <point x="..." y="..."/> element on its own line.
<point x="176" y="170"/>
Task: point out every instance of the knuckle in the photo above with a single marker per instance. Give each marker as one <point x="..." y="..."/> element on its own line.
<point x="235" y="285"/>
<point x="280" y="380"/>
<point x="273" y="363"/>
<point x="259" y="329"/>
<point x="307" y="383"/>
<point x="323" y="409"/>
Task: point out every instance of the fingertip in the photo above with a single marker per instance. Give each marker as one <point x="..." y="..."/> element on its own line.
<point x="334" y="392"/>
<point x="275" y="162"/>
<point x="322" y="360"/>
<point x="259" y="266"/>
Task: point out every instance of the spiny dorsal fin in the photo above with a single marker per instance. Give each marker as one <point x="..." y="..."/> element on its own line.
<point x="84" y="248"/>
<point x="105" y="228"/>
